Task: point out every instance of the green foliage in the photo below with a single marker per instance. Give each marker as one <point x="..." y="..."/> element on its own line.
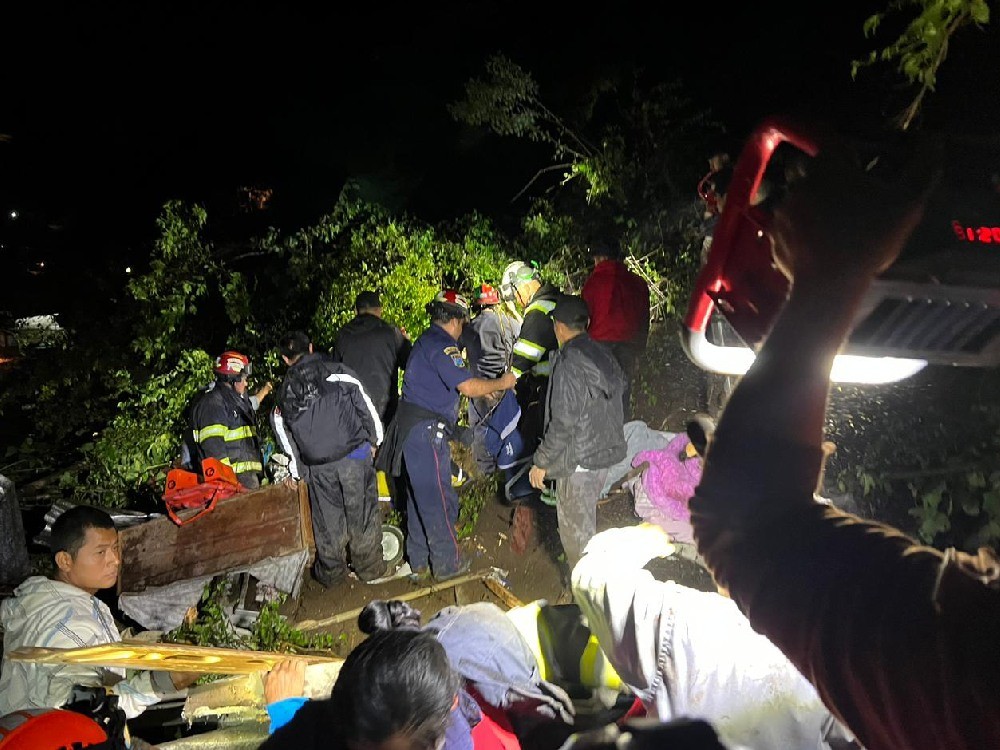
<point x="624" y="173"/>
<point x="269" y="632"/>
<point x="922" y="47"/>
<point x="933" y="440"/>
<point x="508" y="102"/>
<point x="168" y="295"/>
<point x="145" y="435"/>
<point x="473" y="497"/>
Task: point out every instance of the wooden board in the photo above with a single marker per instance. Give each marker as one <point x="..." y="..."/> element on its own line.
<point x="242" y="530"/>
<point x="171" y="657"/>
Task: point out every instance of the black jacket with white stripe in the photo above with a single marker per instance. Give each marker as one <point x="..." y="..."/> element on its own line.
<point x="325" y="410"/>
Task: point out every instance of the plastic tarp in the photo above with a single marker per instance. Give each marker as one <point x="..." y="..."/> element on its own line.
<point x="164" y="607"/>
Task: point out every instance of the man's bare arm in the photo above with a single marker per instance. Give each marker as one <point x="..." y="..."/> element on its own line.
<point x="476" y="387"/>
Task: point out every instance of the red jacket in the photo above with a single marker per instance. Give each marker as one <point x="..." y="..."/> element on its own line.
<point x="618" y="301"/>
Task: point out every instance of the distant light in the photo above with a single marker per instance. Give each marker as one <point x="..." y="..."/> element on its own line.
<point x="14" y="214"/>
<point x="128" y="269"/>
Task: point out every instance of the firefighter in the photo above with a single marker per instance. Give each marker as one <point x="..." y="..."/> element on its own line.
<point x="530" y="364"/>
<point x="417" y="440"/>
<point x="223" y="424"/>
<point x="489" y="341"/>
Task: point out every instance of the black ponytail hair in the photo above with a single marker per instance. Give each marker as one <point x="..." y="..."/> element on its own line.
<point x="393" y="614"/>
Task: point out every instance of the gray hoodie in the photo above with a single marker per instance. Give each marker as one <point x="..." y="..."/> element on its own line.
<point x="52" y="614"/>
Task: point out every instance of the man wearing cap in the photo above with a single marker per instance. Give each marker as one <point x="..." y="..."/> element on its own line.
<point x="618" y="300"/>
<point x="223" y="424"/>
<point x="489" y="342"/>
<point x="416" y="442"/>
<point x="375" y="350"/>
<point x="584" y="425"/>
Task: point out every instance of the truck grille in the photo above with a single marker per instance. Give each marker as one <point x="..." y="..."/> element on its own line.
<point x="942" y="326"/>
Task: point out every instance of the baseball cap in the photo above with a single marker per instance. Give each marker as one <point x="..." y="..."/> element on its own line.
<point x="367" y="300"/>
<point x="571" y="310"/>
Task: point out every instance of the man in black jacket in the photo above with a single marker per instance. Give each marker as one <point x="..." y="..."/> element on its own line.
<point x="328" y="424"/>
<point x="584" y="425"/>
<point x="376" y="351"/>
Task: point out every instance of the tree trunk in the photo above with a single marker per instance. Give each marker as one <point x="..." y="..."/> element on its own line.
<point x="14" y="565"/>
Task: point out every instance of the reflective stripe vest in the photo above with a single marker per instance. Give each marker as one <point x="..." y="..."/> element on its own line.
<point x="537" y="338"/>
<point x="223" y="427"/>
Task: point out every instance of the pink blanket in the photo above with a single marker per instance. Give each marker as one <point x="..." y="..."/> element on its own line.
<point x="670" y="480"/>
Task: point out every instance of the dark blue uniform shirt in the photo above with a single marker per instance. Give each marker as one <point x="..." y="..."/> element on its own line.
<point x="433" y="373"/>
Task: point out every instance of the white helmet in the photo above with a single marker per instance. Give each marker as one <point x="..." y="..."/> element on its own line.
<point x="507" y="281"/>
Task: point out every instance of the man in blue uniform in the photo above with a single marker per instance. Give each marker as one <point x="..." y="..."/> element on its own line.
<point x="416" y="442"/>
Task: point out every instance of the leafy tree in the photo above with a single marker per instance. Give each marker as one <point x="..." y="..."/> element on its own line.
<point x="625" y="172"/>
<point x="922" y="47"/>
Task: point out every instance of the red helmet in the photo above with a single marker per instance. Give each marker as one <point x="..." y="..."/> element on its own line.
<point x="453" y="300"/>
<point x="232" y="365"/>
<point x="48" y="729"/>
<point x="488" y="295"/>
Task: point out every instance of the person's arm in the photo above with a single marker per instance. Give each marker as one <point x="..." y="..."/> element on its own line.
<point x="476" y="387"/>
<point x="210" y="429"/>
<point x="261" y="394"/>
<point x="135" y="693"/>
<point x="403" y="348"/>
<point x="493" y="360"/>
<point x="363" y="405"/>
<point x="283" y="433"/>
<point x="530" y="348"/>
<point x="283" y="688"/>
<point x="566" y="400"/>
<point x="886" y="629"/>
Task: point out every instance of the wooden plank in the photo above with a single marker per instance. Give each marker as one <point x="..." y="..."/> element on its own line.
<point x="170" y="657"/>
<point x="352" y="614"/>
<point x="502" y="593"/>
<point x="240" y="531"/>
<point x="305" y="514"/>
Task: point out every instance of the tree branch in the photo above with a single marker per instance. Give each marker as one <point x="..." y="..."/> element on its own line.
<point x="538" y="174"/>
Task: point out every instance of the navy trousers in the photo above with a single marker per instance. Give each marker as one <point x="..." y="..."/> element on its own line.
<point x="431" y="501"/>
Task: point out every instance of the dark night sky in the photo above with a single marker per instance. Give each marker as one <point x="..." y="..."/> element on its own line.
<point x="112" y="112"/>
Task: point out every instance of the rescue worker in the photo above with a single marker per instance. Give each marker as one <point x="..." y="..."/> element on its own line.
<point x="530" y="362"/>
<point x="329" y="425"/>
<point x="223" y="425"/>
<point x="417" y="440"/>
<point x="375" y="350"/>
<point x="489" y="343"/>
<point x="618" y="300"/>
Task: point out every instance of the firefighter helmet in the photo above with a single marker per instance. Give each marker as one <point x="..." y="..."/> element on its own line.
<point x="509" y="279"/>
<point x="487" y="295"/>
<point x="453" y="302"/>
<point x="232" y="365"/>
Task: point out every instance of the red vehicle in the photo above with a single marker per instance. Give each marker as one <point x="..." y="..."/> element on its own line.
<point x="938" y="304"/>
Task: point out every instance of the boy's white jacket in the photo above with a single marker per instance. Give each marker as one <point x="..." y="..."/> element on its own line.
<point x="689" y="653"/>
<point x="52" y="614"/>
